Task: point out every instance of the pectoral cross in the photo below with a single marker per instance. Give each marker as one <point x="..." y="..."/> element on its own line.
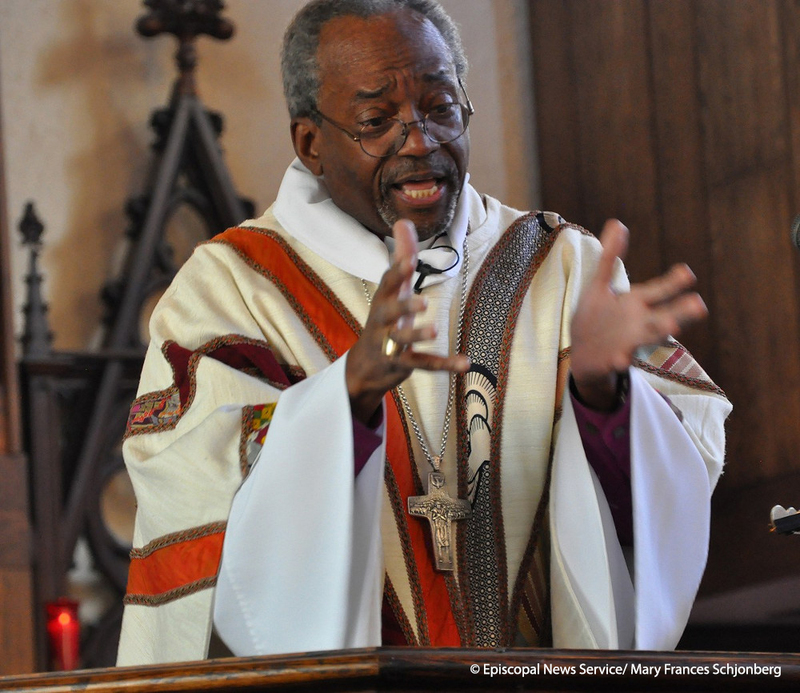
<point x="440" y="510"/>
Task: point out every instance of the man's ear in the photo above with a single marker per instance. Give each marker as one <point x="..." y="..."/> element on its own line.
<point x="305" y="138"/>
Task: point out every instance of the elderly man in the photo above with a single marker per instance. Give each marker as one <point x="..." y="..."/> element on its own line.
<point x="393" y="410"/>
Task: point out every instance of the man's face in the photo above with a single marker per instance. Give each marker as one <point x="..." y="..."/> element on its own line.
<point x="394" y="65"/>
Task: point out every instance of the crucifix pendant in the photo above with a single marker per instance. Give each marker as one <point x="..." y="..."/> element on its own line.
<point x="440" y="510"/>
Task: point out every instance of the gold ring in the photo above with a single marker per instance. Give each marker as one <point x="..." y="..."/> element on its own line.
<point x="391" y="349"/>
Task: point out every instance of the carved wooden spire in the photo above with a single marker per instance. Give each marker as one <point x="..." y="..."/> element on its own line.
<point x="185" y="19"/>
<point x="37" y="337"/>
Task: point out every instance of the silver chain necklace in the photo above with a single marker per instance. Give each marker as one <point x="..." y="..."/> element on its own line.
<point x="435" y="461"/>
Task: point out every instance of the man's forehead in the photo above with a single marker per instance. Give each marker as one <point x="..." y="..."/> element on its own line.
<point x="370" y="49"/>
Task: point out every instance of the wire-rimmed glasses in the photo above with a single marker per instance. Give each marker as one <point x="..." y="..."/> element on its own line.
<point x="382" y="136"/>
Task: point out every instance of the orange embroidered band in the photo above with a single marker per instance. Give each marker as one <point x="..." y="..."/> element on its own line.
<point x="175" y="565"/>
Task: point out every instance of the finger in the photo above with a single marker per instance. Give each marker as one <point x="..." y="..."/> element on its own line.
<point x="614" y="239"/>
<point x="671" y="319"/>
<point x="389" y="313"/>
<point x="405" y="237"/>
<point x="457" y="363"/>
<point x="405" y="250"/>
<point x="409" y="335"/>
<point x="668" y="286"/>
<point x="687" y="310"/>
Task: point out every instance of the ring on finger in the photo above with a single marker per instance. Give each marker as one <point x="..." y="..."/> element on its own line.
<point x="391" y="348"/>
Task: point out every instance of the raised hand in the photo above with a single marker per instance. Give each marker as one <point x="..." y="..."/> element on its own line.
<point x="608" y="327"/>
<point x="384" y="355"/>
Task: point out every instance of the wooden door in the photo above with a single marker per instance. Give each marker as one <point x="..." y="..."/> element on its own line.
<point x="682" y="118"/>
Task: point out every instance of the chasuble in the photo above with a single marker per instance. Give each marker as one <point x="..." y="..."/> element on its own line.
<point x="240" y="449"/>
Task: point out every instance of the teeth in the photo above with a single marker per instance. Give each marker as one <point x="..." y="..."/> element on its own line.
<point x="419" y="194"/>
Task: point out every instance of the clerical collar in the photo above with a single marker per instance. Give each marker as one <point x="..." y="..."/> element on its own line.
<point x="304" y="208"/>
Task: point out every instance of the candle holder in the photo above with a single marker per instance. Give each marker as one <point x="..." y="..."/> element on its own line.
<point x="63" y="634"/>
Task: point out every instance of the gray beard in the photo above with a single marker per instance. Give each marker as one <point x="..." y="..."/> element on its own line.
<point x="390" y="216"/>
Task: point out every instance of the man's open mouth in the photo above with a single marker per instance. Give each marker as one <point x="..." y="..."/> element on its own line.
<point x="428" y="190"/>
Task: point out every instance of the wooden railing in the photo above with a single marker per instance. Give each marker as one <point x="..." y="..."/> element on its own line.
<point x="421" y="669"/>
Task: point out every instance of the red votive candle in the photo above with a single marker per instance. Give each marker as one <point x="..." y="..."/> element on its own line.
<point x="64" y="633"/>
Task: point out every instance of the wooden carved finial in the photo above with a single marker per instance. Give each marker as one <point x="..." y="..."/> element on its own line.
<point x="37" y="337"/>
<point x="185" y="19"/>
<point x="30" y="227"/>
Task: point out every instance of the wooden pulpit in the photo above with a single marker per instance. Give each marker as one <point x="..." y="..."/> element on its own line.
<point x="430" y="669"/>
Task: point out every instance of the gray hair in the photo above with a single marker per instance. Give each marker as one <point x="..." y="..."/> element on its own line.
<point x="299" y="56"/>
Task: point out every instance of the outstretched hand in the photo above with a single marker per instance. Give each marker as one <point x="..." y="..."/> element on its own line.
<point x="608" y="327"/>
<point x="370" y="371"/>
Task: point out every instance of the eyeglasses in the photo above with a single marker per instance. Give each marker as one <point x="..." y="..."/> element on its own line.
<point x="382" y="136"/>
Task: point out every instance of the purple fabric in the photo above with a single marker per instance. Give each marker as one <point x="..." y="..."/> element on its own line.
<point x="365" y="442"/>
<point x="607" y="443"/>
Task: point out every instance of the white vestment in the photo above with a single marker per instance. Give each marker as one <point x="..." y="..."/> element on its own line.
<point x="309" y="554"/>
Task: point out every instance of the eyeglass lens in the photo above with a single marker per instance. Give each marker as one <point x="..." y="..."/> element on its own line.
<point x="442" y="125"/>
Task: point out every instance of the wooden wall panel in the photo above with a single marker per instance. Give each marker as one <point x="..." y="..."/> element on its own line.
<point x="16" y="628"/>
<point x="741" y="74"/>
<point x="749" y="173"/>
<point x="556" y="115"/>
<point x="680" y="157"/>
<point x="790" y="31"/>
<point x="593" y="105"/>
<point x="688" y="112"/>
<point x="616" y="145"/>
<point x="755" y="323"/>
<point x="687" y="118"/>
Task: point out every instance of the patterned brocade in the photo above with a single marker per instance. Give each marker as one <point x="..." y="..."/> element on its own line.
<point x="160" y="410"/>
<point x="154" y="411"/>
<point x="495" y="618"/>
<point x="673" y="362"/>
<point x="255" y="424"/>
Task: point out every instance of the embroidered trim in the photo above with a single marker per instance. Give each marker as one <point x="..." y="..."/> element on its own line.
<point x="398" y="510"/>
<point x="171" y="595"/>
<point x="672" y="361"/>
<point x="498" y="290"/>
<point x="155" y="411"/>
<point x="534" y="622"/>
<point x="295" y="373"/>
<point x="255" y="425"/>
<point x="309" y="274"/>
<point x="562" y="367"/>
<point x="175" y="565"/>
<point x="399" y="612"/>
<point x="530" y="594"/>
<point x="177" y="538"/>
<point x="457" y="607"/>
<point x="254" y="255"/>
<point x="161" y="410"/>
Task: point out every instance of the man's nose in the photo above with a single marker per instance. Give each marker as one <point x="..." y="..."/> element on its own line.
<point x="417" y="141"/>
